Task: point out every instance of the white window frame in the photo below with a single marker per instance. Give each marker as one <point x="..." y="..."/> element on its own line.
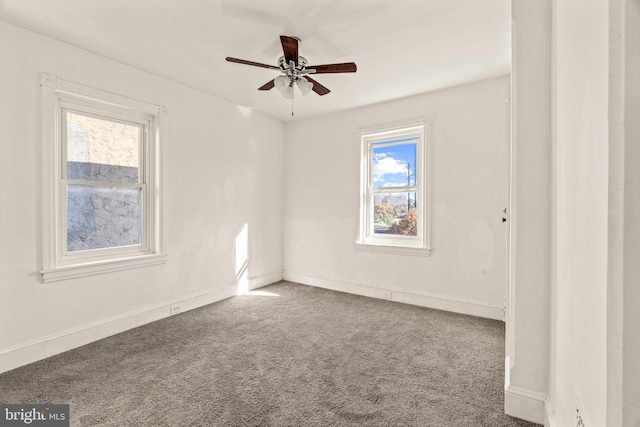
<point x="366" y="238"/>
<point x="58" y="97"/>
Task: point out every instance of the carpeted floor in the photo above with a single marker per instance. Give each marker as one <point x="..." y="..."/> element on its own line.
<point x="284" y="355"/>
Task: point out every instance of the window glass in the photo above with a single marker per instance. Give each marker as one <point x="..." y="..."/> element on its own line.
<point x="103" y="217"/>
<point x="395" y="213"/>
<point x="394" y="164"/>
<point x="102" y="149"/>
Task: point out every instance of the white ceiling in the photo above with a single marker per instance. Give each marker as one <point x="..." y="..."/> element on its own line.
<point x="401" y="47"/>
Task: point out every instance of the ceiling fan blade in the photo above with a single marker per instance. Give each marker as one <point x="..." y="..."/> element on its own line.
<point x="290" y="49"/>
<point x="255" y="64"/>
<point x="317" y="87"/>
<point x="346" y="67"/>
<point x="267" y="86"/>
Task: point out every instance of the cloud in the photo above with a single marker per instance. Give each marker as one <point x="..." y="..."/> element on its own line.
<point x="386" y="165"/>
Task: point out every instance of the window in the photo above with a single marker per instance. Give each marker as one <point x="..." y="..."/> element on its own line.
<point x="102" y="181"/>
<point x="394" y="196"/>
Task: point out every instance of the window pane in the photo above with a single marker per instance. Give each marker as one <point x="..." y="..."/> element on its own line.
<point x="395" y="165"/>
<point x="102" y="150"/>
<point x="103" y="217"/>
<point x="395" y="213"/>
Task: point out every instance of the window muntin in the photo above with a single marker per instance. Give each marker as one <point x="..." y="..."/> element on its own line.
<point x="103" y="187"/>
<point x="393" y="192"/>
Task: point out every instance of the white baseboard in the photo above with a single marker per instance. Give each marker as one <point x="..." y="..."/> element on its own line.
<point x="439" y="302"/>
<point x="550" y="420"/>
<point x="264" y="280"/>
<point x="525" y="404"/>
<point x="67" y="340"/>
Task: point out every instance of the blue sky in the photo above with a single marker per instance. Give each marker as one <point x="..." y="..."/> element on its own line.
<point x="390" y="165"/>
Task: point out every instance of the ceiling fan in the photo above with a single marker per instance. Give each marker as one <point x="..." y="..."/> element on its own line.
<point x="295" y="70"/>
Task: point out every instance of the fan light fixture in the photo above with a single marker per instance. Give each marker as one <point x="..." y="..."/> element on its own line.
<point x="305" y="86"/>
<point x="285" y="85"/>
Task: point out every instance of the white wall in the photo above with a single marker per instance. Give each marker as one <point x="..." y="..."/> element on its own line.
<point x="631" y="289"/>
<point x="530" y="259"/>
<point x="579" y="291"/>
<point x="466" y="271"/>
<point x="224" y="170"/>
<point x="623" y="327"/>
<point x="595" y="228"/>
<point x="616" y="234"/>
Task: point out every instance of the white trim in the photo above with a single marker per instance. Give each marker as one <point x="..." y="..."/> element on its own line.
<point x="525" y="404"/>
<point x="50" y="169"/>
<point x="390" y="128"/>
<point x="92" y="268"/>
<point x="422" y="299"/>
<point x="405" y="245"/>
<point x="96" y="95"/>
<point x="159" y="158"/>
<point x="550" y="416"/>
<point x="57" y="263"/>
<point x="399" y="250"/>
<point x="60" y="342"/>
<point x="256" y="282"/>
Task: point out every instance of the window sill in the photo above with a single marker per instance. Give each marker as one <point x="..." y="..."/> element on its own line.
<point x="101" y="267"/>
<point x="393" y="249"/>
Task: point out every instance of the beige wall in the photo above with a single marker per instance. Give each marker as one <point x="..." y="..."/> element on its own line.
<point x="527" y="375"/>
<point x="594" y="229"/>
<point x="624" y="212"/>
<point x="224" y="170"/>
<point x="579" y="291"/>
<point x="466" y="271"/>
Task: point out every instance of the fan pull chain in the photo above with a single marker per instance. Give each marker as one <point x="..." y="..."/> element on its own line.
<point x="292" y="96"/>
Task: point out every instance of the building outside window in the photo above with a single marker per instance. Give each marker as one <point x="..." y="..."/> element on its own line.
<point x="394" y="189"/>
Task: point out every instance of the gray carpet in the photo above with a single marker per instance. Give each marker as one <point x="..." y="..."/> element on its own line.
<point x="306" y="357"/>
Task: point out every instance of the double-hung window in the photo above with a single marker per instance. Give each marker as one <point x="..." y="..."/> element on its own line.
<point x="393" y="189"/>
<point x="102" y="181"/>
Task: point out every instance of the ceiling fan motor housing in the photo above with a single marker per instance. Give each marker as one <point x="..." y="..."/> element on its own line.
<point x="297" y="70"/>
